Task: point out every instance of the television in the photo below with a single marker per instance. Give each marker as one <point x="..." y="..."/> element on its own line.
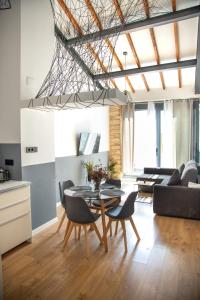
<point x="88" y="143"/>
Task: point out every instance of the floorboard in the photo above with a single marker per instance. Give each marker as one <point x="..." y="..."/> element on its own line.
<point x="164" y="265"/>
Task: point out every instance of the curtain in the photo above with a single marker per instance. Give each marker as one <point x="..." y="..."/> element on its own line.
<point x="183" y="114"/>
<point x="150" y="156"/>
<point x="128" y="138"/>
<point x="168" y="137"/>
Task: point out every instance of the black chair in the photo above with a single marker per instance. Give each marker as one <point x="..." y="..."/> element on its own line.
<point x="79" y="214"/>
<point x="63" y="185"/>
<point x="115" y="182"/>
<point x="123" y="213"/>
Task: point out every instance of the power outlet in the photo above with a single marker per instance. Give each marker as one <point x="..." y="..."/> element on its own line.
<point x="31" y="149"/>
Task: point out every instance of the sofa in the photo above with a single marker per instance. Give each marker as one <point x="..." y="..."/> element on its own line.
<point x="175" y="200"/>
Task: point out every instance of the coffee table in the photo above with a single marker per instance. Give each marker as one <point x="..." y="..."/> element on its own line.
<point x="145" y="190"/>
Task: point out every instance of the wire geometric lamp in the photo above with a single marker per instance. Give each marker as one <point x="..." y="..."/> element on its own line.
<point x="5" y="4"/>
<point x="73" y="69"/>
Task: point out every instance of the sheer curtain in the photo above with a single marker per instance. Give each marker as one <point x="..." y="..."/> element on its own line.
<point x="150" y="156"/>
<point x="168" y="139"/>
<point x="183" y="114"/>
<point x="128" y="138"/>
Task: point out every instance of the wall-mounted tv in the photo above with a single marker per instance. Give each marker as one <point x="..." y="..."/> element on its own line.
<point x="89" y="143"/>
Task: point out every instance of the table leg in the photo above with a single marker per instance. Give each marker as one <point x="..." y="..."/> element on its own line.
<point x="104" y="226"/>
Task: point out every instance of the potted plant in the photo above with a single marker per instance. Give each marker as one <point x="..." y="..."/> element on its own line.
<point x="111" y="168"/>
<point x="89" y="167"/>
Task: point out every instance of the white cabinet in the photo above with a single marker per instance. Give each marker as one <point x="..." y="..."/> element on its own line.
<point x="1" y="280"/>
<point x="15" y="215"/>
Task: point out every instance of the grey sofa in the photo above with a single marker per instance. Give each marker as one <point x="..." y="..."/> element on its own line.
<point x="179" y="200"/>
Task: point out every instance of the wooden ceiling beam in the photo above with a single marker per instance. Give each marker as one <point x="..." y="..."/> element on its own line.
<point x="130" y="41"/>
<point x="109" y="44"/>
<point x="153" y="39"/>
<point x="176" y="37"/>
<point x="77" y="27"/>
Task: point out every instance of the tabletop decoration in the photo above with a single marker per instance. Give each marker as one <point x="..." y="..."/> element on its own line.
<point x="89" y="165"/>
<point x="97" y="174"/>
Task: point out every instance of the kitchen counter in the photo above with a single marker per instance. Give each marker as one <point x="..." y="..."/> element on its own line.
<point x="1" y="280"/>
<point x="12" y="185"/>
<point x="15" y="214"/>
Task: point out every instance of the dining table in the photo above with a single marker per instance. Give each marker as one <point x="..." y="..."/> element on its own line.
<point x="105" y="198"/>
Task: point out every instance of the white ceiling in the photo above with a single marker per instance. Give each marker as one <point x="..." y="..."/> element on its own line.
<point x="143" y="44"/>
<point x="166" y="48"/>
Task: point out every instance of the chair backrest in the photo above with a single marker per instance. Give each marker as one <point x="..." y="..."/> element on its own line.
<point x="128" y="207"/>
<point x="116" y="182"/>
<point x="64" y="185"/>
<point x="77" y="210"/>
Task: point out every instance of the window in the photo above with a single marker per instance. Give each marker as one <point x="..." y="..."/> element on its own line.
<point x="148" y="135"/>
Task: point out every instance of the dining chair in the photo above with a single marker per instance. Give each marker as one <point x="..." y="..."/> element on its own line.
<point x="79" y="214"/>
<point x="96" y="203"/>
<point x="63" y="185"/>
<point x="122" y="214"/>
<point x="115" y="182"/>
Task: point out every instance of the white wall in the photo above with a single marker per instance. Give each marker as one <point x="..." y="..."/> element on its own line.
<point x="37" y="45"/>
<point x="69" y="124"/>
<point x="10" y="74"/>
<point x="37" y="129"/>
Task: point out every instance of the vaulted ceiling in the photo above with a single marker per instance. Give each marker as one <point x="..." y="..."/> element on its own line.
<point x="162" y="44"/>
<point x="124" y="56"/>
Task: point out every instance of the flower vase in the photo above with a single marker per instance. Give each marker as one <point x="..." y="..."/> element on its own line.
<point x="97" y="185"/>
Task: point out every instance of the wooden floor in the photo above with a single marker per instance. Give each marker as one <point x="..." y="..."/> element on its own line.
<point x="164" y="265"/>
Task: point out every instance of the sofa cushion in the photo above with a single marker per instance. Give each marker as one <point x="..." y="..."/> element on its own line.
<point x="191" y="162"/>
<point x="194" y="185"/>
<point x="181" y="168"/>
<point x="165" y="180"/>
<point x="159" y="171"/>
<point x="190" y="173"/>
<point x="175" y="179"/>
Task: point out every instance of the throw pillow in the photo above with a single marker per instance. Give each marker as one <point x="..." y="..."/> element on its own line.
<point x="181" y="168"/>
<point x="194" y="185"/>
<point x="175" y="179"/>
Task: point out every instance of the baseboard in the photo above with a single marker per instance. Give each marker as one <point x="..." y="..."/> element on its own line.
<point x="58" y="204"/>
<point x="44" y="226"/>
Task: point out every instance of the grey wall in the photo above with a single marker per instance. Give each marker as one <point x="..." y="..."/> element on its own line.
<point x="70" y="167"/>
<point x="11" y="151"/>
<point x="43" y="192"/>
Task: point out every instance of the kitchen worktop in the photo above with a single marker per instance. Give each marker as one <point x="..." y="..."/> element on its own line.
<point x="12" y="185"/>
<point x="1" y="280"/>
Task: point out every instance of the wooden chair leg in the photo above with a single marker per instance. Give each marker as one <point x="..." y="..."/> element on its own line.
<point x="91" y="227"/>
<point x="71" y="226"/>
<point x="86" y="240"/>
<point x="67" y="228"/>
<point x="134" y="228"/>
<point x="116" y="227"/>
<point x="108" y="226"/>
<point x="110" y="229"/>
<point x="98" y="233"/>
<point x="75" y="232"/>
<point x="124" y="234"/>
<point x="61" y="222"/>
<point x="79" y="232"/>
